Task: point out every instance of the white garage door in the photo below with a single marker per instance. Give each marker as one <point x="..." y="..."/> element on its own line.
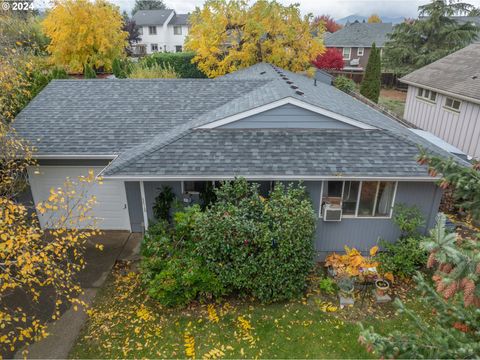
<point x="111" y="208"/>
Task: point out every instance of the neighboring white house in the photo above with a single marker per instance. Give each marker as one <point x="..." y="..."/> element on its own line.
<point x="444" y="99"/>
<point x="160" y="31"/>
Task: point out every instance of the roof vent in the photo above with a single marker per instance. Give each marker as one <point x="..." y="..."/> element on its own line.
<point x="263" y="73"/>
<point x="299" y="92"/>
<point x="289" y="82"/>
<point x="294" y="87"/>
<point x="474" y="77"/>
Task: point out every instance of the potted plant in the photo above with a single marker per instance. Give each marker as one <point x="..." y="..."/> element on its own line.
<point x="346" y="286"/>
<point x="381" y="286"/>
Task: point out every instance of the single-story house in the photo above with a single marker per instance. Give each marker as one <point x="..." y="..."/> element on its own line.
<point x="262" y="123"/>
<point x="444" y="99"/>
<point x="355" y="42"/>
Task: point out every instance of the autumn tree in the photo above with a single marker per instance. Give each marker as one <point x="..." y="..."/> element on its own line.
<point x="371" y="83"/>
<point x="85" y="33"/>
<point x="374" y="19"/>
<point x="434" y="35"/>
<point x="328" y="22"/>
<point x="230" y="35"/>
<point x="332" y="59"/>
<point x="148" y="5"/>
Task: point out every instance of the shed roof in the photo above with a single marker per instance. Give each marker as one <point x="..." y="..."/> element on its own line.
<point x="457" y="73"/>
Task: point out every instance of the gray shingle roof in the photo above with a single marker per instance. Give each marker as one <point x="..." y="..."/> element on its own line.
<point x="359" y="35"/>
<point x="148" y="122"/>
<point x="222" y="152"/>
<point x="457" y="73"/>
<point x="179" y="19"/>
<point x="110" y="116"/>
<point x="151" y="17"/>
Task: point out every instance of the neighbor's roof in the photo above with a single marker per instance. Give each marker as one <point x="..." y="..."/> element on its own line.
<point x="359" y="35"/>
<point x="153" y="127"/>
<point x="179" y="19"/>
<point x="457" y="73"/>
<point x="151" y="17"/>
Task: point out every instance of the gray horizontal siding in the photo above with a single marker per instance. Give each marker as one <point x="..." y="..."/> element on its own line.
<point x="288" y="116"/>
<point x="365" y="233"/>
<point x="359" y="233"/>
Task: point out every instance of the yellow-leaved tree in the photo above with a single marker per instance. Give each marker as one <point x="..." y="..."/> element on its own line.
<point x="85" y="33"/>
<point x="374" y="19"/>
<point x="230" y="35"/>
<point x="38" y="268"/>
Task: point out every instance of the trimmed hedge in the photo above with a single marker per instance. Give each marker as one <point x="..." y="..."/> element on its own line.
<point x="181" y="63"/>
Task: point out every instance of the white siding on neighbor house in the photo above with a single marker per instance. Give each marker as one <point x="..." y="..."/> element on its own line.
<point x="165" y="38"/>
<point x="461" y="129"/>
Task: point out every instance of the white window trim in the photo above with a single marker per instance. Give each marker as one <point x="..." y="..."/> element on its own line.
<point x="278" y="103"/>
<point x="349" y="53"/>
<point x="176" y="27"/>
<point x="152" y="33"/>
<point x="358" y="201"/>
<point x="446" y="107"/>
<point x="360" y="53"/>
<point x="425" y="99"/>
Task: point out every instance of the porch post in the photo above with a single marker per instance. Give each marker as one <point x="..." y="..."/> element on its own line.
<point x="144" y="205"/>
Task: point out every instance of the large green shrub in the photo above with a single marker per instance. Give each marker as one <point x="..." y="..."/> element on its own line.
<point x="180" y="62"/>
<point x="371" y="83"/>
<point x="256" y="246"/>
<point x="402" y="258"/>
<point x="172" y="271"/>
<point x="163" y="203"/>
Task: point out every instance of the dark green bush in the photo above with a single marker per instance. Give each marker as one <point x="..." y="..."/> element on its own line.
<point x="402" y="258"/>
<point x="181" y="63"/>
<point x="256" y="246"/>
<point x="88" y="72"/>
<point x="121" y="68"/>
<point x="343" y="83"/>
<point x="183" y="280"/>
<point x="408" y="219"/>
<point x="172" y="271"/>
<point x="163" y="204"/>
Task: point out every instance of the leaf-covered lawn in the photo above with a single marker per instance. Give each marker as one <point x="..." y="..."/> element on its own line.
<point x="124" y="323"/>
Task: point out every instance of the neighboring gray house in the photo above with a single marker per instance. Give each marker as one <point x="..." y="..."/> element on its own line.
<point x="444" y="99"/>
<point x="355" y="42"/>
<point x="262" y="123"/>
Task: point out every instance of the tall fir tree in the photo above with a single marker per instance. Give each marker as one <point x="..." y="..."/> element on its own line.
<point x="148" y="5"/>
<point x="371" y="82"/>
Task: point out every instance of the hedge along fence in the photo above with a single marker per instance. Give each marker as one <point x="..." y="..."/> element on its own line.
<point x="181" y="63"/>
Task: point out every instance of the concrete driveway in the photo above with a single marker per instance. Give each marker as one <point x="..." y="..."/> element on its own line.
<point x="118" y="245"/>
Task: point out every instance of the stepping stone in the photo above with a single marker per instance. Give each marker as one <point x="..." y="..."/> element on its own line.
<point x="382" y="298"/>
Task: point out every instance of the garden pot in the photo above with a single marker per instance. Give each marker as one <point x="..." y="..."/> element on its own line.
<point x="381" y="287"/>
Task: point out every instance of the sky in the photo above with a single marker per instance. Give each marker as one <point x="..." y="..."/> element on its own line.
<point x="335" y="8"/>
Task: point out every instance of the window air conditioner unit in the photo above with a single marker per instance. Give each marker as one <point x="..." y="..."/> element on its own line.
<point x="332" y="213"/>
<point x="355" y="62"/>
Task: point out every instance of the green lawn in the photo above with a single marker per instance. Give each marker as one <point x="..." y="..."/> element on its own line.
<point x="395" y="106"/>
<point x="124" y="323"/>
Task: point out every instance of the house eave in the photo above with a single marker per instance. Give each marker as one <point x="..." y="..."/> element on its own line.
<point x="74" y="156"/>
<point x="443" y="92"/>
<point x="267" y="178"/>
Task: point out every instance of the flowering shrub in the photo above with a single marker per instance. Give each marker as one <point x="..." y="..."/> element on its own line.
<point x="257" y="246"/>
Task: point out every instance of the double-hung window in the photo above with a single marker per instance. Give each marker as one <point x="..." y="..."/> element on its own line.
<point x="361" y="199"/>
<point x="360" y="51"/>
<point x="177" y="30"/>
<point x="425" y="94"/>
<point x="346" y="53"/>
<point x="152" y="30"/>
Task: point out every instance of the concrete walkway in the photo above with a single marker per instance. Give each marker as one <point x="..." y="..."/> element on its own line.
<point x="118" y="245"/>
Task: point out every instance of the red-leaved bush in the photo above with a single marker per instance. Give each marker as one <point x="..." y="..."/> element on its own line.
<point x="331" y="59"/>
